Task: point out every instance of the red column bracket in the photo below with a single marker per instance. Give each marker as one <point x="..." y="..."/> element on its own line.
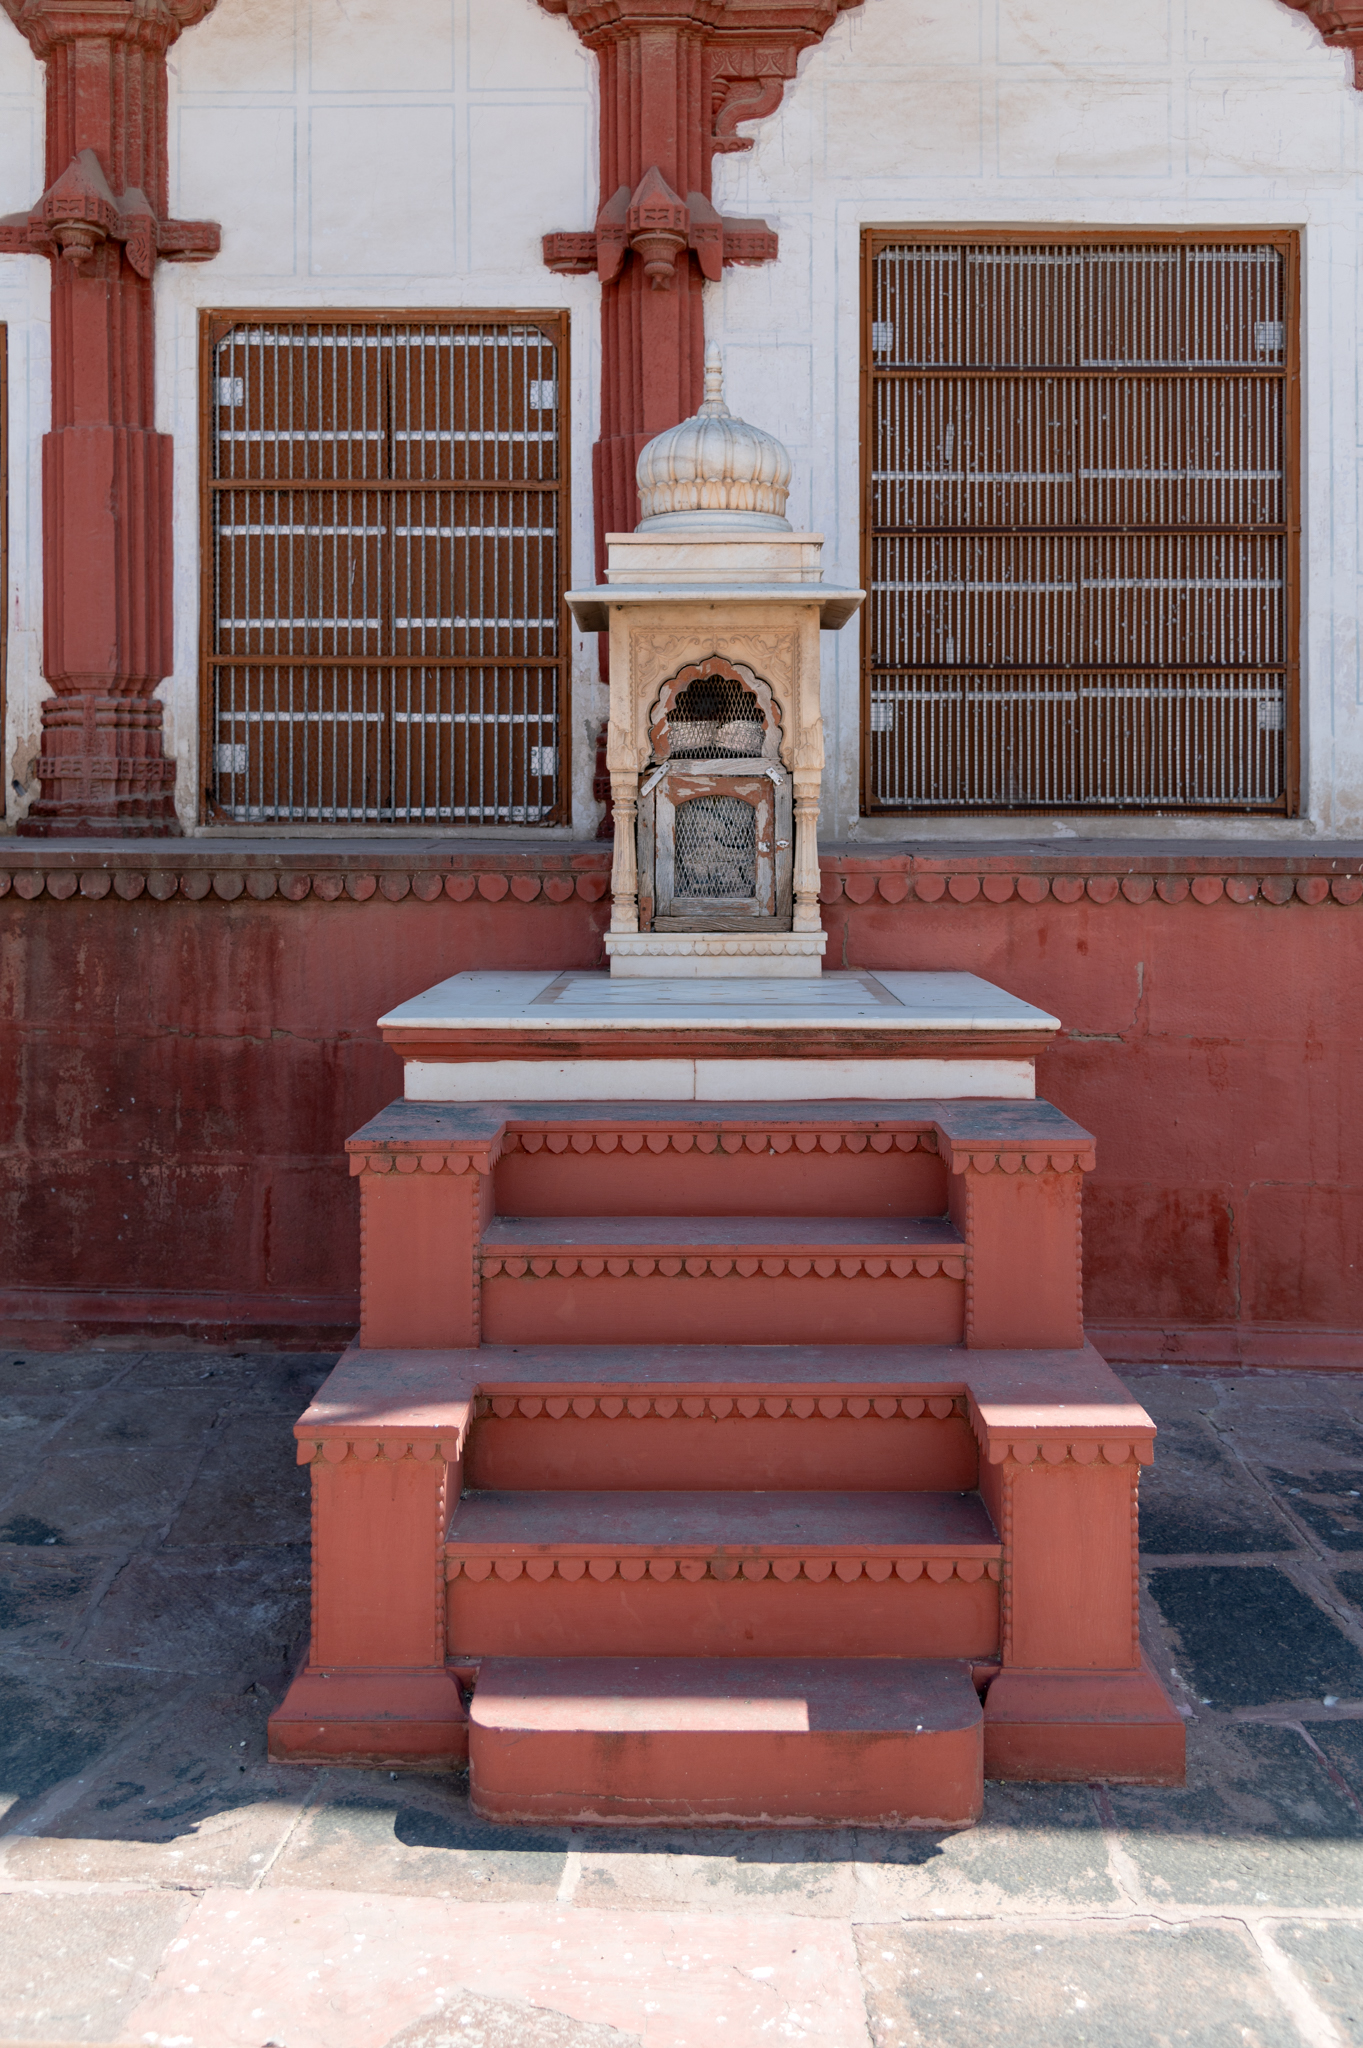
<point x="1341" y="25"/>
<point x="677" y="76"/>
<point x="107" y="565"/>
<point x="654" y="223"/>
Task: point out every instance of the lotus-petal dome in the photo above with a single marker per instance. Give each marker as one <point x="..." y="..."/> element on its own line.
<point x="713" y="469"/>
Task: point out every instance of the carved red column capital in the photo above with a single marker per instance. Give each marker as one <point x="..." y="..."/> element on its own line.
<point x="677" y="77"/>
<point x="1340" y="23"/>
<point x="103" y="224"/>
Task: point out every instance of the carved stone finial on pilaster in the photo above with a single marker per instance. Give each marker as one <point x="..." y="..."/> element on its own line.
<point x="1341" y="25"/>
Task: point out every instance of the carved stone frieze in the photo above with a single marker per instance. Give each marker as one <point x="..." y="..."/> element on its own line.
<point x="637" y="1407"/>
<point x="702" y="1265"/>
<point x="787" y="1571"/>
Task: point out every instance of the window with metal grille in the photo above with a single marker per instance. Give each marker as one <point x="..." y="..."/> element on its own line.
<point x="384" y="556"/>
<point x="716" y="848"/>
<point x="1080" y="530"/>
<point x="716" y="717"/>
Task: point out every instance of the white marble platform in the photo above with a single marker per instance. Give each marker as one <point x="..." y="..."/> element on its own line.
<point x="927" y="1006"/>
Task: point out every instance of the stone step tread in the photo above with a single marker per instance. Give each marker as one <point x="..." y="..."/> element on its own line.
<point x="754" y="1236"/>
<point x="683" y="1524"/>
<point x="975" y="1120"/>
<point x="723" y="1695"/>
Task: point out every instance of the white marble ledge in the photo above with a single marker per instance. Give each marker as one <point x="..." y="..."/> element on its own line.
<point x="547" y="1001"/>
<point x="592" y="608"/>
<point x="741" y="1081"/>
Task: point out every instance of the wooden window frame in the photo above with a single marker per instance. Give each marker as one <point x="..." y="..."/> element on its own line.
<point x="1288" y="241"/>
<point x="553" y="321"/>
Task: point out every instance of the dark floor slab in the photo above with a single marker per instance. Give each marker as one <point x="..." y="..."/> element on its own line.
<point x="73" y="1967"/>
<point x="192" y="1799"/>
<point x="249" y="1489"/>
<point x="1197" y="1499"/>
<point x="1123" y="1987"/>
<point x="24" y="1531"/>
<point x="807" y="1873"/>
<point x="223" y="1609"/>
<point x="126" y="1417"/>
<point x="367" y="1832"/>
<point x="60" y="1372"/>
<point x="1034" y="1845"/>
<point x="1350" y="1585"/>
<point x="282" y="1381"/>
<point x="1330" y="1503"/>
<point x="26" y="1419"/>
<point x="1245" y="1636"/>
<point x="45" y="1593"/>
<point x="57" y="1718"/>
<point x="1329" y="1956"/>
<point x="106" y="1496"/>
<point x="1342" y="1742"/>
<point x="1294" y="1418"/>
<point x="1259" y="1823"/>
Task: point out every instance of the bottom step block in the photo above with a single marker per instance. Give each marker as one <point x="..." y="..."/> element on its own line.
<point x="739" y="1742"/>
<point x="404" y="1720"/>
<point x="1062" y="1727"/>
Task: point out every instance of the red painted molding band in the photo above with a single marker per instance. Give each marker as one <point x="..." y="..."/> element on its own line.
<point x="386" y="877"/>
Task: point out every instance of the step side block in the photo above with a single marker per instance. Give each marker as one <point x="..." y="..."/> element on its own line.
<point x="399" y="1720"/>
<point x="740" y="1742"/>
<point x="1058" y="1727"/>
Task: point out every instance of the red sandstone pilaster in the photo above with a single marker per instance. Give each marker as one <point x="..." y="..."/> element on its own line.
<point x="419" y="1236"/>
<point x="107" y="635"/>
<point x="676" y="78"/>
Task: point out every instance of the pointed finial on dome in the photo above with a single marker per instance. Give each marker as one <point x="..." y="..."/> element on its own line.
<point x="713" y="470"/>
<point x="713" y="406"/>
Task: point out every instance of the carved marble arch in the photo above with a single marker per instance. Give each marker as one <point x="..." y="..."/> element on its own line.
<point x="715" y="669"/>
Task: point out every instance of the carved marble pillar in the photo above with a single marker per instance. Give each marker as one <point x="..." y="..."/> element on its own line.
<point x="102" y="223"/>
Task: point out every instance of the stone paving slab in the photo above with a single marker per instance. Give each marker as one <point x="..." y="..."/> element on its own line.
<point x="153" y="1599"/>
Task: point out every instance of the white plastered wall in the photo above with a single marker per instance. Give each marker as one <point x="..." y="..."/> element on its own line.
<point x="358" y="154"/>
<point x="1178" y="112"/>
<point x="361" y="154"/>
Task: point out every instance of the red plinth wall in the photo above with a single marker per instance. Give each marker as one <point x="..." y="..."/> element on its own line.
<point x="193" y="1042"/>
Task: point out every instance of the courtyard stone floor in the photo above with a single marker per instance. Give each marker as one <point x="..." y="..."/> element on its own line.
<point x="161" y="1882"/>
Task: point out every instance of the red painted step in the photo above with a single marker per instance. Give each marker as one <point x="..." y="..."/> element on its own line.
<point x="698" y="1279"/>
<point x="723" y="1574"/>
<point x="749" y="1741"/>
<point x="829" y="1438"/>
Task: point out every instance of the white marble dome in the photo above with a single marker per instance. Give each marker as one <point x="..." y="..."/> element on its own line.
<point x="713" y="469"/>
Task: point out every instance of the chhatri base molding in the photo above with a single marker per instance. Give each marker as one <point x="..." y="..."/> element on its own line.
<point x="259" y="871"/>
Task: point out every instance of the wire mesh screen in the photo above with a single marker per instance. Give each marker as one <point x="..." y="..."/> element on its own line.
<point x="714" y="717"/>
<point x="715" y="848"/>
<point x="1078" y="526"/>
<point x="385" y="546"/>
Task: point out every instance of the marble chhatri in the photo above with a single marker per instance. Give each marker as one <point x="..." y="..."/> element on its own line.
<point x="714" y="607"/>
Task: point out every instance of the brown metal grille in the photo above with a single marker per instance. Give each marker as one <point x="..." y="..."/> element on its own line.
<point x="1080" y="523"/>
<point x="716" y="848"/>
<point x="715" y="717"/>
<point x="384" y="551"/>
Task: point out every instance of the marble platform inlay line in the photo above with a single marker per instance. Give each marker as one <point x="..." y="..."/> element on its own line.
<point x="548" y="1001"/>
